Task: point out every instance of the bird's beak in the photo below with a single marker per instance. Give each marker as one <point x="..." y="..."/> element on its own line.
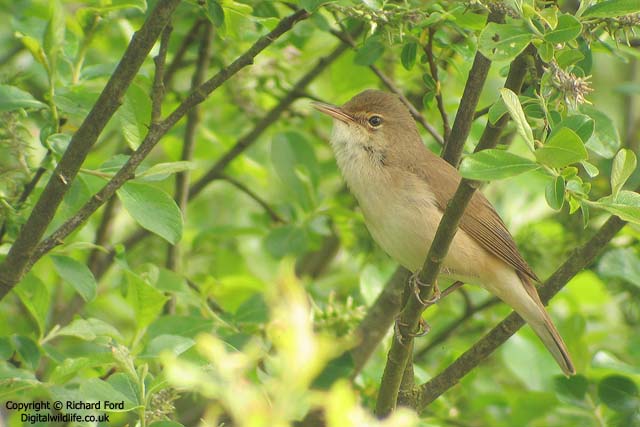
<point x="333" y="111"/>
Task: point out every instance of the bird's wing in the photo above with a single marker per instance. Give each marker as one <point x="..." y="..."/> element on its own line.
<point x="480" y="220"/>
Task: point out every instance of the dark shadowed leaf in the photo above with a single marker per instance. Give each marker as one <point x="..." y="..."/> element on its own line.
<point x="619" y="393"/>
<point x="371" y="50"/>
<point x="408" y="55"/>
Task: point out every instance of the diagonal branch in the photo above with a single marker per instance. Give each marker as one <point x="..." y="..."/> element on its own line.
<point x="21" y="252"/>
<point x="579" y="259"/>
<point x="127" y="171"/>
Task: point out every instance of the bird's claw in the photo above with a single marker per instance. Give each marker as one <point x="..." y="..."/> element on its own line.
<point x="417" y="284"/>
<point x="423" y="330"/>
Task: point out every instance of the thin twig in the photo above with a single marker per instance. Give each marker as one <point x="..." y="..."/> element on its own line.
<point x="154" y="134"/>
<point x="428" y="50"/>
<point x="20" y="255"/>
<point x="158" y="90"/>
<point x="275" y="217"/>
<point x="176" y="62"/>
<point x="443" y="335"/>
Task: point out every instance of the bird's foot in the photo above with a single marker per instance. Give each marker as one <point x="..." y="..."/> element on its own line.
<point x="423" y="329"/>
<point x="417" y="284"/>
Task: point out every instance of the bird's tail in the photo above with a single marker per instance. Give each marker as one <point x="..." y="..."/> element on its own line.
<point x="534" y="313"/>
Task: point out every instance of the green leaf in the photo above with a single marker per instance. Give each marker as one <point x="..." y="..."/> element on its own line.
<point x="487" y="165"/>
<point x="134" y="115"/>
<point x="146" y="300"/>
<point x="253" y="310"/>
<point x="13" y="98"/>
<point x="503" y="42"/>
<point x="621" y="263"/>
<point x="562" y="149"/>
<point x="77" y="275"/>
<point x="175" y="344"/>
<point x="626" y="205"/>
<point x="371" y="50"/>
<point x="581" y="124"/>
<point x="160" y="171"/>
<point x="33" y="46"/>
<point x="153" y="209"/>
<point x="517" y="114"/>
<point x="568" y="28"/>
<point x="554" y="193"/>
<point x="569" y="57"/>
<point x="545" y="50"/>
<point x="89" y="329"/>
<point x="286" y="240"/>
<point x="292" y="158"/>
<point x="28" y="351"/>
<point x="408" y="55"/>
<point x="624" y="164"/>
<point x="96" y="390"/>
<point x="496" y="111"/>
<point x="54" y="33"/>
<point x="612" y="9"/>
<point x="605" y="140"/>
<point x="619" y="393"/>
<point x="215" y="13"/>
<point x="574" y="387"/>
<point x="165" y="424"/>
<point x="34" y="295"/>
<point x="591" y="170"/>
<point x="311" y="5"/>
<point x="340" y="367"/>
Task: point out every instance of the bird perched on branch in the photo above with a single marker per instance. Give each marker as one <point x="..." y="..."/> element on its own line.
<point x="403" y="189"/>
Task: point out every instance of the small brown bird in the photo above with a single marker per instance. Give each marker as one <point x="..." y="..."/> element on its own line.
<point x="403" y="189"/>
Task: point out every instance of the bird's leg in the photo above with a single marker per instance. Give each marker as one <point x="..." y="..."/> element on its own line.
<point x="416" y="284"/>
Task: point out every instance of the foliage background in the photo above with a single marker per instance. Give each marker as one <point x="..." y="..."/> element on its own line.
<point x="274" y="267"/>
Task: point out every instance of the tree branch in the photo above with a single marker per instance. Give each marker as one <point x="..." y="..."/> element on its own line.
<point x="411" y="314"/>
<point x="275" y="217"/>
<point x="21" y="252"/>
<point x="464" y="118"/>
<point x="579" y="259"/>
<point x="156" y="132"/>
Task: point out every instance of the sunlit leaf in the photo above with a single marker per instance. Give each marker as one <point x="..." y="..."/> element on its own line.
<point x="502" y="42"/>
<point x="562" y="149"/>
<point x="624" y="164"/>
<point x="77" y="275"/>
<point x="487" y="165"/>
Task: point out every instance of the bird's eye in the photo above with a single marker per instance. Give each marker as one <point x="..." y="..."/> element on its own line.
<point x="375" y="121"/>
